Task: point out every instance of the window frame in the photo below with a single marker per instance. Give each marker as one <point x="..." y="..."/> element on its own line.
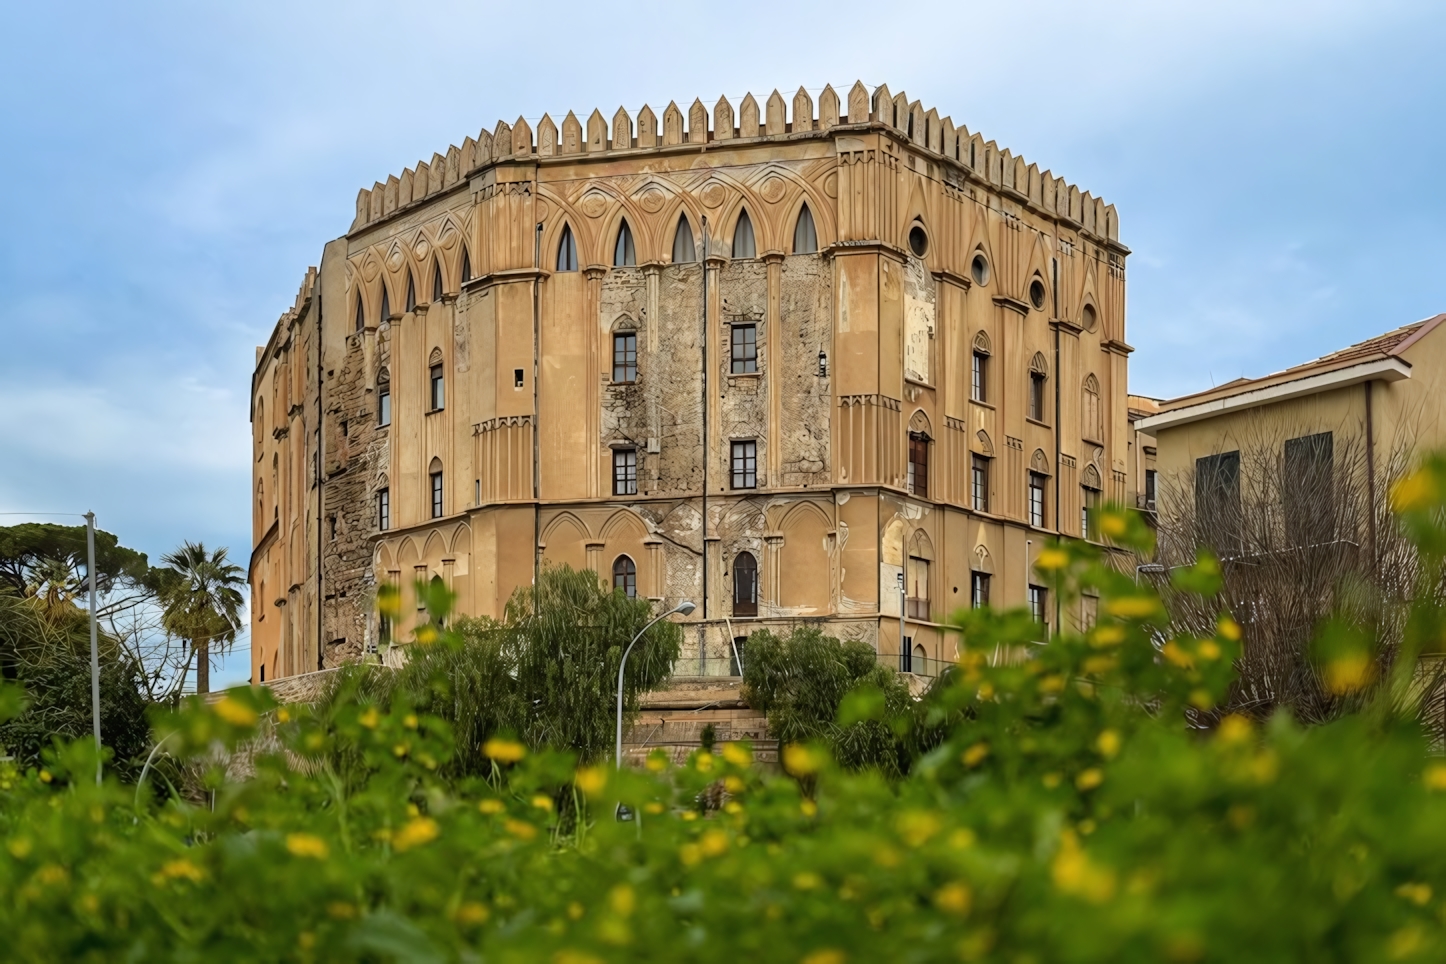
<point x="1037" y="508"/>
<point x="979" y="482"/>
<point x="625" y="369"/>
<point x="979" y="377"/>
<point x="918" y="470"/>
<point x="743" y="357"/>
<point x="384" y="509"/>
<point x="384" y="404"/>
<point x="743" y="464"/>
<point x="627" y="573"/>
<point x="978" y="589"/>
<point x="745" y="604"/>
<point x="625" y="471"/>
<point x="1038" y="382"/>
<point x="1089" y="499"/>
<point x="437" y="387"/>
<point x="438" y="493"/>
<point x="566" y="250"/>
<point x="1037" y="598"/>
<point x="625" y="250"/>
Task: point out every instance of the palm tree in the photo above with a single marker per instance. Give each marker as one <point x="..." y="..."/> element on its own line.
<point x="202" y="603"/>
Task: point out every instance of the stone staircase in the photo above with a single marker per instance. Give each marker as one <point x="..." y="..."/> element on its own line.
<point x="673" y="720"/>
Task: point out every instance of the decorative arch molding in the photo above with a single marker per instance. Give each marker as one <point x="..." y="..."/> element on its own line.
<point x="982" y="444"/>
<point x="624" y="322"/>
<point x="983" y="561"/>
<point x="982" y="344"/>
<point x="565" y="519"/>
<point x="921" y="546"/>
<point x="435" y="466"/>
<point x="1039" y="365"/>
<point x="1090" y="478"/>
<point x="798" y="511"/>
<point x="461" y="539"/>
<point x="407" y="553"/>
<point x="623" y="524"/>
<point x="919" y="422"/>
<point x="435" y="548"/>
<point x="435" y="358"/>
<point x="565" y="215"/>
<point x="1039" y="462"/>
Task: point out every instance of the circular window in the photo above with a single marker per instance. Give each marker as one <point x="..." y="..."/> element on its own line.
<point x="918" y="240"/>
<point x="1036" y="294"/>
<point x="980" y="269"/>
<point x="1088" y="317"/>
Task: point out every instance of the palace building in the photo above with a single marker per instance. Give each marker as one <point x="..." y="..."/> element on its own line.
<point x="810" y="360"/>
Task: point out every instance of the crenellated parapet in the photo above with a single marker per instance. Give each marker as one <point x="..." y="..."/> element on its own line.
<point x="967" y="155"/>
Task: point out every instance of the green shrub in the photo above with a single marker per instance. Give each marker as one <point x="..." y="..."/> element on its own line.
<point x="1068" y="812"/>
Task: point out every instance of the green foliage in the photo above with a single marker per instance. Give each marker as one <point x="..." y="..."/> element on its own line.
<point x="1068" y="811"/>
<point x="202" y="601"/>
<point x="26" y="549"/>
<point x="546" y="673"/>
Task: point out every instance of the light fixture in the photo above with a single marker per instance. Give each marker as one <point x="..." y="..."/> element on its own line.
<point x="822" y="364"/>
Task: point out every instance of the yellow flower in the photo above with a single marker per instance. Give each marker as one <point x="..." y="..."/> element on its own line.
<point x="426" y="634"/>
<point x="1074" y="873"/>
<point x="504" y="751"/>
<point x="1418" y="894"/>
<point x="657" y="761"/>
<point x="734" y="784"/>
<point x="1133" y="607"/>
<point x="1095" y="665"/>
<point x="1406" y="942"/>
<point x="1053" y="683"/>
<point x="306" y="845"/>
<point x="234" y="712"/>
<point x="1434" y="778"/>
<point x="689" y="854"/>
<point x="389" y="600"/>
<point x="306" y="939"/>
<point x="417" y="832"/>
<point x="471" y="913"/>
<point x="975" y="754"/>
<point x="410" y="721"/>
<point x="1415" y="491"/>
<point x="45" y="776"/>
<point x="542" y="802"/>
<point x="1110" y="635"/>
<point x="690" y="814"/>
<point x="520" y="830"/>
<point x="283" y="715"/>
<point x="1050" y="780"/>
<point x="654" y="807"/>
<point x="1050" y="559"/>
<point x="703" y="761"/>
<point x="954" y="898"/>
<point x="714" y="843"/>
<point x="575" y="911"/>
<point x="826" y="956"/>
<point x="592" y="780"/>
<point x="1208" y="650"/>
<point x="1089" y="779"/>
<point x="1228" y="628"/>
<point x="341" y="910"/>
<point x="182" y="868"/>
<point x="986" y="691"/>
<point x="808" y="808"/>
<point x="737" y="754"/>
<point x="917" y="826"/>
<point x="962" y="839"/>
<point x="55" y="874"/>
<point x="800" y="760"/>
<point x="622" y="900"/>
<point x="1201" y="699"/>
<point x="733" y="807"/>
<point x="1108" y="743"/>
<point x="1112" y="524"/>
<point x="1176" y="655"/>
<point x="370" y="718"/>
<point x="1348" y="673"/>
<point x="20" y="847"/>
<point x="1234" y="729"/>
<point x="807" y="880"/>
<point x="491" y="805"/>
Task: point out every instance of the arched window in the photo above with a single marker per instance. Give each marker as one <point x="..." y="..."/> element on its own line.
<point x="566" y="250"/>
<point x="979" y="369"/>
<point x="466" y="266"/>
<point x="384" y="398"/>
<point x="1091" y="428"/>
<point x="743" y="245"/>
<point x="1038" y="376"/>
<point x="745" y="585"/>
<point x="361" y="313"/>
<point x="683" y="250"/>
<point x="436" y="281"/>
<point x="805" y="238"/>
<point x="624" y="255"/>
<point x="260" y="499"/>
<point x="435" y="474"/>
<point x="921" y="554"/>
<point x="625" y="576"/>
<point x="386" y="304"/>
<point x="411" y="291"/>
<point x="260" y="424"/>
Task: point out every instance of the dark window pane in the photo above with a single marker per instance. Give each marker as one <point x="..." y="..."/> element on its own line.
<point x="745" y="465"/>
<point x="745" y="585"/>
<point x="625" y="471"/>
<point x="744" y="349"/>
<point x="625" y="576"/>
<point x="436" y="495"/>
<point x="1217" y="501"/>
<point x="1309" y="488"/>
<point x="919" y="464"/>
<point x="625" y="357"/>
<point x="979" y="483"/>
<point x="439" y="397"/>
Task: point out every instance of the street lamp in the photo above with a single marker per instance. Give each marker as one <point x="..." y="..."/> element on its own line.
<point x="684" y="608"/>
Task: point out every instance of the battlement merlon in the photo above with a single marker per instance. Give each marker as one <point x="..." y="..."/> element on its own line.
<point x="967" y="153"/>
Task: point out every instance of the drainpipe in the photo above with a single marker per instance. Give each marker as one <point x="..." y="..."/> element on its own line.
<point x="320" y="484"/>
<point x="1058" y="375"/>
<point x="702" y="641"/>
<point x="536" y="435"/>
<point x="1371" y="470"/>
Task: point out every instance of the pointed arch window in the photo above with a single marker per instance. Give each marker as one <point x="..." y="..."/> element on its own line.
<point x="384" y="398"/>
<point x="1038" y="378"/>
<point x="361" y="313"/>
<point x="435" y="474"/>
<point x="566" y="250"/>
<point x="745" y="585"/>
<point x="684" y="251"/>
<point x="411" y="291"/>
<point x="386" y="304"/>
<point x="436" y="281"/>
<point x="624" y="254"/>
<point x="805" y="236"/>
<point x="743" y="244"/>
<point x="625" y="576"/>
<point x="466" y="266"/>
<point x="1091" y="427"/>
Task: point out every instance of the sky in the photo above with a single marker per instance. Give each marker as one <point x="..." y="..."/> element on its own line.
<point x="175" y="167"/>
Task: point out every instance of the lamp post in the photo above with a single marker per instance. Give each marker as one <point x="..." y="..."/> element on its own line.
<point x="684" y="608"/>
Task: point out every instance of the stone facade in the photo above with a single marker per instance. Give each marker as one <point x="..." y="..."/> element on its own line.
<point x="870" y="253"/>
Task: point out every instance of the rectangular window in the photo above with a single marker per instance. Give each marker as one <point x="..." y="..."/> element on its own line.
<point x="1039" y="604"/>
<point x="1089" y="612"/>
<point x="919" y="464"/>
<point x="918" y="597"/>
<point x="436" y="495"/>
<point x="384" y="405"/>
<point x="980" y="387"/>
<point x="384" y="509"/>
<point x="1217" y="501"/>
<point x="625" y="357"/>
<point x="1309" y="490"/>
<point x="1089" y="506"/>
<point x="439" y="395"/>
<point x="745" y="349"/>
<point x="1150" y="488"/>
<point x="979" y="483"/>
<point x="745" y="465"/>
<point x="625" y="471"/>
<point x="1036" y="396"/>
<point x="518" y="378"/>
<point x="1036" y="499"/>
<point x="979" y="589"/>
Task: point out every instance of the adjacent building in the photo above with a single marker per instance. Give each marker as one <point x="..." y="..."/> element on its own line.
<point x="833" y="361"/>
